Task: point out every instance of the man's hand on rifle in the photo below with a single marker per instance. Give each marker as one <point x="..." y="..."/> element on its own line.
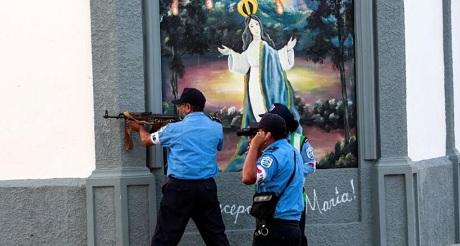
<point x="136" y="126"/>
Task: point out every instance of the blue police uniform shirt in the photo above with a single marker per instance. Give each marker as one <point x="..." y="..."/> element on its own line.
<point x="308" y="158"/>
<point x="302" y="144"/>
<point x="192" y="145"/>
<point x="274" y="168"/>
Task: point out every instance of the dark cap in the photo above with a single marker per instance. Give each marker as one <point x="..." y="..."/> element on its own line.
<point x="251" y="130"/>
<point x="192" y="96"/>
<point x="285" y="113"/>
<point x="273" y="123"/>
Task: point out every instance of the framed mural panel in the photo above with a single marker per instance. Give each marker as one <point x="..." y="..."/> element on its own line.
<point x="245" y="55"/>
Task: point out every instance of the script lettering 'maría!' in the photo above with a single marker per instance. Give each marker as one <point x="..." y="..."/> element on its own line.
<point x="315" y="204"/>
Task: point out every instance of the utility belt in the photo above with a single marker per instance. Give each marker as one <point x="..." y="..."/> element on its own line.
<point x="191" y="181"/>
<point x="278" y="222"/>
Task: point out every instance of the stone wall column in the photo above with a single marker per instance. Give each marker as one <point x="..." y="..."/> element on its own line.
<point x="394" y="175"/>
<point x="451" y="151"/>
<point x="121" y="190"/>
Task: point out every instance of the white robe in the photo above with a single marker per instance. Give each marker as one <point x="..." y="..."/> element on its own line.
<point x="250" y="59"/>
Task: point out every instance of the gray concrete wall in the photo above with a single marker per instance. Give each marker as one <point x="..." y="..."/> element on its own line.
<point x="391" y="202"/>
<point x="43" y="212"/>
<point x="118" y="78"/>
<point x="337" y="210"/>
<point x="334" y="212"/>
<point x="120" y="194"/>
<point x="436" y="202"/>
<point x="340" y="209"/>
<point x="395" y="210"/>
<point x="415" y="201"/>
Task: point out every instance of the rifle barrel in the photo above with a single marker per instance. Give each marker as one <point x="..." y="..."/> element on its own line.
<point x="107" y="116"/>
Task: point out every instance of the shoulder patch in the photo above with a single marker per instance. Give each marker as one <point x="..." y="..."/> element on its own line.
<point x="310" y="153"/>
<point x="261" y="174"/>
<point x="266" y="161"/>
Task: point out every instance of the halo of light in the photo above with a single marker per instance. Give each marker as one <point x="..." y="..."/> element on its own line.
<point x="247" y="7"/>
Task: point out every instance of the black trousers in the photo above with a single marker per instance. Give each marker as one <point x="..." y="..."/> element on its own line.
<point x="304" y="240"/>
<point x="185" y="199"/>
<point x="280" y="233"/>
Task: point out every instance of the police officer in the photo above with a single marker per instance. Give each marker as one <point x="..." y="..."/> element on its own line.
<point x="301" y="143"/>
<point x="190" y="191"/>
<point x="270" y="162"/>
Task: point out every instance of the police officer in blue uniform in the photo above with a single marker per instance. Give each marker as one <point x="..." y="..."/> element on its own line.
<point x="301" y="143"/>
<point x="190" y="191"/>
<point x="270" y="162"/>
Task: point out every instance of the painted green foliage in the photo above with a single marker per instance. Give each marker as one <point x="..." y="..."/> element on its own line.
<point x="325" y="34"/>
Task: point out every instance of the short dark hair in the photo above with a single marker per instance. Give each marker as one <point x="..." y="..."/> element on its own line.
<point x="197" y="108"/>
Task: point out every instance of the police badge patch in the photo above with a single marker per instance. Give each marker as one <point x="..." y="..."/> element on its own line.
<point x="266" y="161"/>
<point x="261" y="174"/>
<point x="310" y="153"/>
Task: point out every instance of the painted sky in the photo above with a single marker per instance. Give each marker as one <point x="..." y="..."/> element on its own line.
<point x="312" y="82"/>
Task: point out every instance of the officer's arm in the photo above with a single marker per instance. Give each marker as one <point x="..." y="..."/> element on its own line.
<point x="220" y="145"/>
<point x="249" y="174"/>
<point x="145" y="137"/>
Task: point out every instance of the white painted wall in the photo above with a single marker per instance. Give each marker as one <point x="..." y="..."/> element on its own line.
<point x="46" y="122"/>
<point x="456" y="66"/>
<point x="426" y="124"/>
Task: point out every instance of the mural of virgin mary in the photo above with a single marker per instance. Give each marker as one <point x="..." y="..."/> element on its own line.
<point x="263" y="66"/>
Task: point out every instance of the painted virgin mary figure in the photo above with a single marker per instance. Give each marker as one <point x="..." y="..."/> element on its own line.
<point x="263" y="66"/>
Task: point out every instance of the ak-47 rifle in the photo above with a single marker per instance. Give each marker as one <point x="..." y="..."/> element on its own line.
<point x="154" y="121"/>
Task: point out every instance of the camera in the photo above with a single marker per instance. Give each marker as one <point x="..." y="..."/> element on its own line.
<point x="247" y="132"/>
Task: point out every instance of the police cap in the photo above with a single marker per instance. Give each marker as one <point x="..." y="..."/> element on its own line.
<point x="192" y="96"/>
<point x="285" y="113"/>
<point x="273" y="123"/>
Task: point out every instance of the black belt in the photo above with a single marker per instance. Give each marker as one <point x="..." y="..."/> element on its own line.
<point x="283" y="222"/>
<point x="173" y="179"/>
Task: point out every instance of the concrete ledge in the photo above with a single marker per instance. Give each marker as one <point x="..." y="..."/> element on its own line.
<point x="42" y="182"/>
<point x="43" y="212"/>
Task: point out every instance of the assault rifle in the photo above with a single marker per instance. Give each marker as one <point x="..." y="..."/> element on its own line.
<point x="153" y="121"/>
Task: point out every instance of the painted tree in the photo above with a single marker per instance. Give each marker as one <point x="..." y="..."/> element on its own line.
<point x="182" y="34"/>
<point x="331" y="26"/>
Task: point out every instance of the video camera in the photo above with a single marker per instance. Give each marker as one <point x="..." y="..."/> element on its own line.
<point x="249" y="131"/>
